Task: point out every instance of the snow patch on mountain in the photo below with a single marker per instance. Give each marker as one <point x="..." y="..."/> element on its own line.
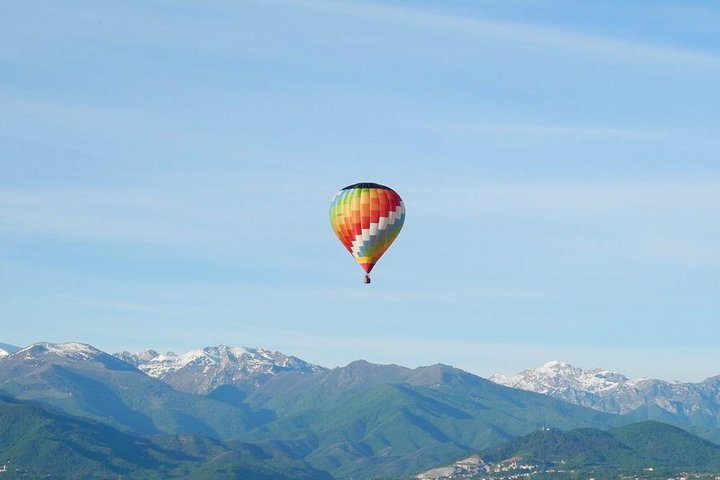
<point x="6" y="349"/>
<point x="137" y="359"/>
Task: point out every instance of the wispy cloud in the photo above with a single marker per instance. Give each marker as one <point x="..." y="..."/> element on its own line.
<point x="82" y="120"/>
<point x="544" y="130"/>
<point x="431" y="294"/>
<point x="659" y="217"/>
<point x="525" y="34"/>
<point x="225" y="212"/>
<point x="660" y="194"/>
<point x="100" y="214"/>
<point x="659" y="220"/>
<point x="92" y="302"/>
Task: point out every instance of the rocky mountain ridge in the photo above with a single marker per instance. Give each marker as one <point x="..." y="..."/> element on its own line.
<point x="695" y="403"/>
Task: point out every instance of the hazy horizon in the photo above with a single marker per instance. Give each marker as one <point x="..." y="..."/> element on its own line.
<point x="477" y="371"/>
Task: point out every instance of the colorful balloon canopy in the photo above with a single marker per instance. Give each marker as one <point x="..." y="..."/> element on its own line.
<point x="367" y="218"/>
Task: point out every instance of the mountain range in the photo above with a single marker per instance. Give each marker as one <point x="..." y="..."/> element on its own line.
<point x="358" y="421"/>
<point x="691" y="405"/>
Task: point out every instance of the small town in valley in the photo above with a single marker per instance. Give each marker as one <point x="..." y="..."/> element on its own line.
<point x="474" y="468"/>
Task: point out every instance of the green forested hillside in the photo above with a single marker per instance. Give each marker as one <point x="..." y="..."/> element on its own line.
<point x="36" y="443"/>
<point x="365" y="420"/>
<point x="632" y="447"/>
<point x="669" y="445"/>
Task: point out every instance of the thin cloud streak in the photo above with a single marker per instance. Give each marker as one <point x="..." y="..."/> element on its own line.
<point x="521" y="33"/>
<point x="75" y="301"/>
<point x="109" y="122"/>
<point x="658" y="218"/>
<point x="183" y="214"/>
<point x="544" y="130"/>
<point x="95" y="214"/>
<point x="663" y="194"/>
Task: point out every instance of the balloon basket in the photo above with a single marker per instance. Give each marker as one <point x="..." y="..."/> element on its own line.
<point x="366" y="279"/>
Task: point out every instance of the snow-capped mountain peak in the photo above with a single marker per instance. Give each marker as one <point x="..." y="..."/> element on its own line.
<point x="201" y="371"/>
<point x="70" y="350"/>
<point x="613" y="392"/>
<point x="554" y="365"/>
<point x="557" y="377"/>
<point x="77" y="355"/>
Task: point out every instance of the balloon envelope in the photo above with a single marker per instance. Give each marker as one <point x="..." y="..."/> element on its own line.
<point x="367" y="218"/>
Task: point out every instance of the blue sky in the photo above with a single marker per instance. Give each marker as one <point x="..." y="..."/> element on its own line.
<point x="167" y="167"/>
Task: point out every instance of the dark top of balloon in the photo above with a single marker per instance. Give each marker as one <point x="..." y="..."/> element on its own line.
<point x="367" y="185"/>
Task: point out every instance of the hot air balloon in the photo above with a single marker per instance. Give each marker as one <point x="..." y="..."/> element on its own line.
<point x="367" y="218"/>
